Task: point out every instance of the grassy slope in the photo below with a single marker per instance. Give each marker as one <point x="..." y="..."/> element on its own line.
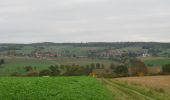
<point x="62" y="88"/>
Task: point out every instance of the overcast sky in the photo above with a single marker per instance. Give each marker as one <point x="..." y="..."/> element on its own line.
<point x="28" y="21"/>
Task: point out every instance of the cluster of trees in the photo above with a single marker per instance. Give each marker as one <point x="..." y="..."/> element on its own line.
<point x="134" y="67"/>
<point x="145" y="45"/>
<point x="138" y="68"/>
<point x="51" y="71"/>
<point x="60" y="70"/>
<point x="70" y="70"/>
<point x="119" y="70"/>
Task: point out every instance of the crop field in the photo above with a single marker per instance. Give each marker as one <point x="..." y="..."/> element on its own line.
<point x="82" y="61"/>
<point x="52" y="88"/>
<point x="156" y="61"/>
<point x="139" y="88"/>
<point x="16" y="64"/>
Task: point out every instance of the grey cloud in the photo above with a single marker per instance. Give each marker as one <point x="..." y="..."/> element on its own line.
<point x="84" y="20"/>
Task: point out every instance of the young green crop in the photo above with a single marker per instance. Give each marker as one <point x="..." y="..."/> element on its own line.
<point x="52" y="88"/>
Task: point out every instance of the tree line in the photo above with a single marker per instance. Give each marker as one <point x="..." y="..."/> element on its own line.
<point x="134" y="67"/>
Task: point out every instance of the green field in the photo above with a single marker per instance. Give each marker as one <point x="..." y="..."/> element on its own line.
<point x="157" y="61"/>
<point x="83" y="88"/>
<point x="16" y="64"/>
<point x="52" y="88"/>
<point x="65" y="49"/>
<point x="26" y="50"/>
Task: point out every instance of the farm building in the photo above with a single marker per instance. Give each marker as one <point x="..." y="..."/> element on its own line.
<point x="146" y="54"/>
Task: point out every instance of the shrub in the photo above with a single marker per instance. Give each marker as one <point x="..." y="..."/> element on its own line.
<point x="28" y="68"/>
<point x="54" y="70"/>
<point x="75" y="71"/>
<point x="166" y="68"/>
<point x="16" y="74"/>
<point x="121" y="70"/>
<point x="33" y="73"/>
<point x="45" y="72"/>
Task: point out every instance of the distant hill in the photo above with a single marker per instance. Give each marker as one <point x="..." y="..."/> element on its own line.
<point x="97" y="44"/>
<point x="90" y="49"/>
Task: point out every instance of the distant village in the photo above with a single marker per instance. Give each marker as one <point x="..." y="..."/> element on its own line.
<point x="108" y="53"/>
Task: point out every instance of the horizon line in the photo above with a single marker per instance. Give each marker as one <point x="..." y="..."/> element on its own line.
<point x="87" y="42"/>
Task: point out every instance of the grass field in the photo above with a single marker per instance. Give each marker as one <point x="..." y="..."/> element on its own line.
<point x="26" y="50"/>
<point x="16" y="64"/>
<point x="79" y="51"/>
<point x="156" y="61"/>
<point x="139" y="88"/>
<point x="51" y="88"/>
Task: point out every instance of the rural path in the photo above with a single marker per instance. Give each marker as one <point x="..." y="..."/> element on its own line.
<point x="122" y="93"/>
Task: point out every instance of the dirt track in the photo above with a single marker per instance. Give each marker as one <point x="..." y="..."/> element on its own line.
<point x="124" y="93"/>
<point x="150" y="81"/>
